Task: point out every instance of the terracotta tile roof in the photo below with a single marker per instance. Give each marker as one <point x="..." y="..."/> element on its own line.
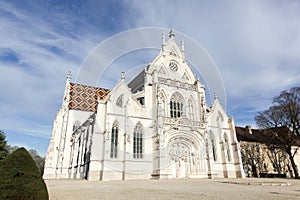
<point x="84" y="97"/>
<point x="243" y="134"/>
<point x="265" y="135"/>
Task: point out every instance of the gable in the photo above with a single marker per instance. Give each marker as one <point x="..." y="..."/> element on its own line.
<point x="171" y="63"/>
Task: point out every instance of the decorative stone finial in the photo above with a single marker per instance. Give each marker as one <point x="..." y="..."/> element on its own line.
<point x="163" y="41"/>
<point x="69" y="75"/>
<point x="182" y="50"/>
<point x="182" y="45"/>
<point x="215" y="96"/>
<point x="171" y="34"/>
<point x="122" y="75"/>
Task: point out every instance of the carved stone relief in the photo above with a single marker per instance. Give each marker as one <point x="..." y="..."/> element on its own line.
<point x="120" y="100"/>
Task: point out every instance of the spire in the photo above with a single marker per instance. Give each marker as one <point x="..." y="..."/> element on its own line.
<point x="182" y="45"/>
<point x="69" y="76"/>
<point x="215" y="96"/>
<point x="171" y="34"/>
<point x="122" y="75"/>
<point x="66" y="98"/>
<point x="182" y="50"/>
<point x="163" y="41"/>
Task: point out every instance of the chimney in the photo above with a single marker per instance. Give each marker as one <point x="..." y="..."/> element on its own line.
<point x="248" y="129"/>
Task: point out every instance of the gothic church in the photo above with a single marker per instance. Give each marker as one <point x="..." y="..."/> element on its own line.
<point x="158" y="126"/>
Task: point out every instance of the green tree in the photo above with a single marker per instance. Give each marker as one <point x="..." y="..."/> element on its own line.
<point x="284" y="112"/>
<point x="40" y="161"/>
<point x="3" y="146"/>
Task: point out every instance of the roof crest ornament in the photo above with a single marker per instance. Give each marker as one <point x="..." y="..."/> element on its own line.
<point x="69" y="75"/>
<point x="215" y="96"/>
<point x="122" y="75"/>
<point x="171" y="34"/>
<point x="182" y="51"/>
<point x="163" y="41"/>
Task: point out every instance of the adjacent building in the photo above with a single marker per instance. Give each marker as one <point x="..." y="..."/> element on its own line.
<point x="262" y="151"/>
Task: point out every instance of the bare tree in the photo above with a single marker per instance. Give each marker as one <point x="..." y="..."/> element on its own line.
<point x="284" y="112"/>
<point x="12" y="148"/>
<point x="40" y="161"/>
<point x="253" y="158"/>
<point x="277" y="157"/>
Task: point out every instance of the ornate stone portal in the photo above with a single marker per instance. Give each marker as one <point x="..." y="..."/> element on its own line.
<point x="184" y="157"/>
<point x="179" y="158"/>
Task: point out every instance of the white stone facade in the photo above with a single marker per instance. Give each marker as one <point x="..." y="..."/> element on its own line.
<point x="158" y="126"/>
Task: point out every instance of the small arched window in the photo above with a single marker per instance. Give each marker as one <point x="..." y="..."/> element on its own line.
<point x="176" y="105"/>
<point x="114" y="141"/>
<point x="138" y="141"/>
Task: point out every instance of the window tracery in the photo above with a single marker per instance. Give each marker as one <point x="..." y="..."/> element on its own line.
<point x="138" y="141"/>
<point x="114" y="141"/>
<point x="176" y="105"/>
<point x="213" y="144"/>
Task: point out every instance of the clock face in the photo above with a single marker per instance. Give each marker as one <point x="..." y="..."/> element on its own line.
<point x="173" y="66"/>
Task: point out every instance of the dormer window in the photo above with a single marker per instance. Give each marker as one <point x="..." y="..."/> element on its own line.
<point x="141" y="100"/>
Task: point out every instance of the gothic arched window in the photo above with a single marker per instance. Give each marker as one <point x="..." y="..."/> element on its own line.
<point x="138" y="141"/>
<point x="76" y="125"/>
<point x="176" y="105"/>
<point x="226" y="148"/>
<point x="213" y="146"/>
<point x="114" y="141"/>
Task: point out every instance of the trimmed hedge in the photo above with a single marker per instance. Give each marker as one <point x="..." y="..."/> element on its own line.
<point x="20" y="178"/>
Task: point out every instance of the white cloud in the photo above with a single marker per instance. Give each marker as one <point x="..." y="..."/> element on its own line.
<point x="33" y="85"/>
<point x="255" y="44"/>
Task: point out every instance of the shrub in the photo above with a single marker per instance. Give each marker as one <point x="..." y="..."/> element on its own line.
<point x="20" y="178"/>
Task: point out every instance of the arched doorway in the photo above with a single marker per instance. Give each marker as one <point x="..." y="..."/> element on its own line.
<point x="183" y="157"/>
<point x="179" y="156"/>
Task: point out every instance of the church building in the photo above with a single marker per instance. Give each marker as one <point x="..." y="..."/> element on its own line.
<point x="158" y="126"/>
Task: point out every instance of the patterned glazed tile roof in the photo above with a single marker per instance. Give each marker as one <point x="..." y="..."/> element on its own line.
<point x="84" y="97"/>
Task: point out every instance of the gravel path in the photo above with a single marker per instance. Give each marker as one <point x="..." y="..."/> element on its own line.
<point x="176" y="189"/>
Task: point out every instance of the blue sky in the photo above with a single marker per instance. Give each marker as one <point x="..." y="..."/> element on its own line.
<point x="255" y="44"/>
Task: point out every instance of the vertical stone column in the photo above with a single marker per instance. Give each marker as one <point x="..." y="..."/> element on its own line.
<point x="209" y="160"/>
<point x="237" y="158"/>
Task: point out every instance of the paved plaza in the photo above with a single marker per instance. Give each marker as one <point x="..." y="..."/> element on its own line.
<point x="176" y="189"/>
